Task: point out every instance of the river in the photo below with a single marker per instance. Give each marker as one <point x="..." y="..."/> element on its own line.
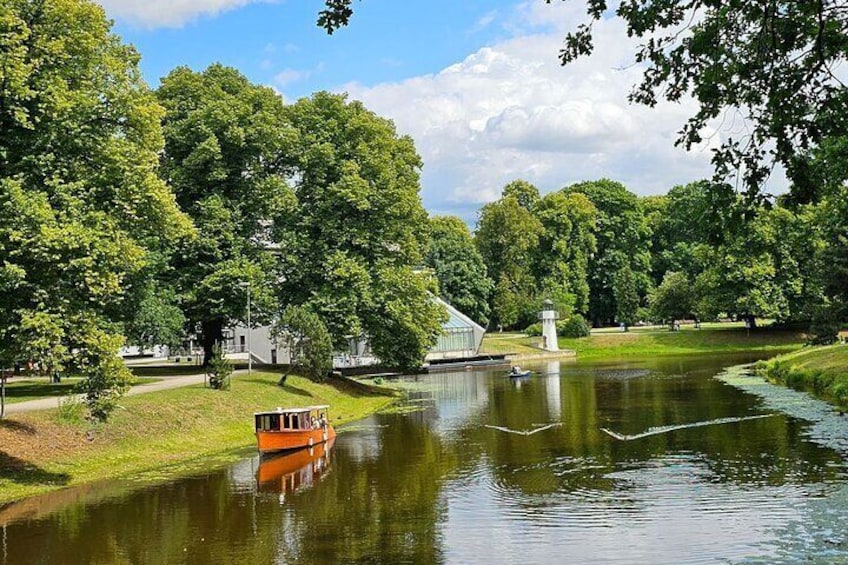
<point x="636" y="461"/>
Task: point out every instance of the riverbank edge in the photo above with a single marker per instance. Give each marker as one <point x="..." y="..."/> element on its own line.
<point x="160" y="449"/>
<point x="821" y="371"/>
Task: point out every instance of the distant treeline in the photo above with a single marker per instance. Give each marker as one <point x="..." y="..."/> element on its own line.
<point x="699" y="252"/>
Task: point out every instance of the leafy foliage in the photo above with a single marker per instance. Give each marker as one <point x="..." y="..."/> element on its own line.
<point x="574" y="326"/>
<point x="81" y="206"/>
<point x="626" y="296"/>
<point x="567" y="241"/>
<point x="355" y="229"/>
<point x="459" y="268"/>
<point x="228" y="152"/>
<point x="158" y="319"/>
<point x="623" y="240"/>
<point x="772" y="62"/>
<point x="507" y="236"/>
<point x="674" y="299"/>
<point x="307" y="340"/>
<point x="219" y="370"/>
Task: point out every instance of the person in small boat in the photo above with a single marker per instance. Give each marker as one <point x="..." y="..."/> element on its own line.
<point x="516" y="369"/>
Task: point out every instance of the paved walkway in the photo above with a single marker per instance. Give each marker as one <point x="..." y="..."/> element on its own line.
<point x="163" y="384"/>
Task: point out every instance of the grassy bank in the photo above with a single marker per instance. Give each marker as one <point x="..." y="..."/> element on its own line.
<point x="656" y="341"/>
<point x="822" y="371"/>
<point x="160" y="433"/>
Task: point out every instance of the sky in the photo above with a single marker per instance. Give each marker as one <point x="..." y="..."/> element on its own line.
<point x="476" y="83"/>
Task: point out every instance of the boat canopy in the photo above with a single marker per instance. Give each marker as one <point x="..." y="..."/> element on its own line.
<point x="279" y="410"/>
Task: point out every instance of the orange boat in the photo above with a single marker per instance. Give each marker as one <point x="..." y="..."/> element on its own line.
<point x="292" y="428"/>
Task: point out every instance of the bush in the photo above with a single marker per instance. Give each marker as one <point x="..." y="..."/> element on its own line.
<point x="534" y="330"/>
<point x="824" y="330"/>
<point x="575" y="326"/>
<point x="219" y="370"/>
<point x="71" y="410"/>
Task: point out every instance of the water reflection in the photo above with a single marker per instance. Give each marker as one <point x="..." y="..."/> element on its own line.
<point x="434" y="484"/>
<point x="286" y="473"/>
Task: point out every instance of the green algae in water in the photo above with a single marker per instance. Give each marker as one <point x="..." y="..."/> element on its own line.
<point x="818" y="535"/>
<point x="828" y="426"/>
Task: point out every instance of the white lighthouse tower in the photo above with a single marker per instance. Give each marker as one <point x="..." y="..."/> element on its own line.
<point x="549" y="317"/>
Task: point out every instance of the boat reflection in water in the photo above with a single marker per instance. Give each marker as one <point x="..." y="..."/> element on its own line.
<point x="289" y="472"/>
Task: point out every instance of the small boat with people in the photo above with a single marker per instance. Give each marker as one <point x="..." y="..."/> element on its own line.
<point x="285" y="429"/>
<point x="516" y="372"/>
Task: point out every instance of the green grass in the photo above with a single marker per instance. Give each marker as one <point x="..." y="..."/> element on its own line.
<point x="161" y="434"/>
<point x="822" y="371"/>
<point x="500" y="343"/>
<point x="654" y="341"/>
<point x="34" y="388"/>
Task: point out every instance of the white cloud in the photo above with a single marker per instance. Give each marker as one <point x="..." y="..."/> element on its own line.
<point x="484" y="21"/>
<point x="168" y="13"/>
<point x="288" y="76"/>
<point x="511" y="111"/>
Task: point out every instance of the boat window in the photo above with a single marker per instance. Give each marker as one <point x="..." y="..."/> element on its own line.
<point x="268" y="422"/>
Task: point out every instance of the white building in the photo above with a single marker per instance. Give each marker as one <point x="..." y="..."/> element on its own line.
<point x="461" y="338"/>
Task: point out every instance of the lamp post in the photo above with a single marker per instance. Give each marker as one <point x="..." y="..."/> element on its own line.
<point x="249" y="352"/>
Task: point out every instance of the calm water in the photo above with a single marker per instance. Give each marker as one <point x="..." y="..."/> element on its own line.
<point x="431" y="483"/>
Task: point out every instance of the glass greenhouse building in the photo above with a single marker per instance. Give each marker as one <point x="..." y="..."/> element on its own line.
<point x="461" y="335"/>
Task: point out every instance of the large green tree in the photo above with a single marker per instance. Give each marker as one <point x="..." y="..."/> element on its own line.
<point x="674" y="299"/>
<point x="623" y="240"/>
<point x="690" y="217"/>
<point x="507" y="236"/>
<point x="355" y="230"/>
<point x="566" y="243"/>
<point x="459" y="267"/>
<point x="768" y="269"/>
<point x="228" y="153"/>
<point x="81" y="206"/>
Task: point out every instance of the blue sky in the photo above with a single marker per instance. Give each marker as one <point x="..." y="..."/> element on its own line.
<point x="279" y="43"/>
<point x="476" y="83"/>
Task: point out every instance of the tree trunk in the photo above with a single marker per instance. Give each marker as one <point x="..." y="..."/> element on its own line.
<point x="212" y="333"/>
<point x="2" y="396"/>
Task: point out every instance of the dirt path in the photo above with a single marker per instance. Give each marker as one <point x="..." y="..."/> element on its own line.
<point x="163" y="384"/>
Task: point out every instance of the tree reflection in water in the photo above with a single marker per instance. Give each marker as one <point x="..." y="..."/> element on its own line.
<point x="433" y="484"/>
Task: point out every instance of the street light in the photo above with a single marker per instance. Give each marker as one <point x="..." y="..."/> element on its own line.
<point x="249" y="352"/>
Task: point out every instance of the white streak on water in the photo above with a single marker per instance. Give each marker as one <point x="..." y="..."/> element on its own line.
<point x="523" y="432"/>
<point x="665" y="429"/>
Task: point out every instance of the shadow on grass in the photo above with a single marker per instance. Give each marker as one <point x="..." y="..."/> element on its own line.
<point x="38" y="390"/>
<point x="167" y="371"/>
<point x="355" y="388"/>
<point x="25" y="473"/>
<point x="286" y="387"/>
<point x="14" y="426"/>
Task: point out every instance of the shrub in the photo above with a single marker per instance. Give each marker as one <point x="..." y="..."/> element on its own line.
<point x="824" y="329"/>
<point x="575" y="326"/>
<point x="219" y="369"/>
<point x="71" y="410"/>
<point x="534" y="330"/>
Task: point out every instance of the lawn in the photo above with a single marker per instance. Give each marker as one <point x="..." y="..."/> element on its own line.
<point x="161" y="434"/>
<point x="656" y="340"/>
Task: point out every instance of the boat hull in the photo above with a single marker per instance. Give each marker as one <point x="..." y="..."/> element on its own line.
<point x="285" y="440"/>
